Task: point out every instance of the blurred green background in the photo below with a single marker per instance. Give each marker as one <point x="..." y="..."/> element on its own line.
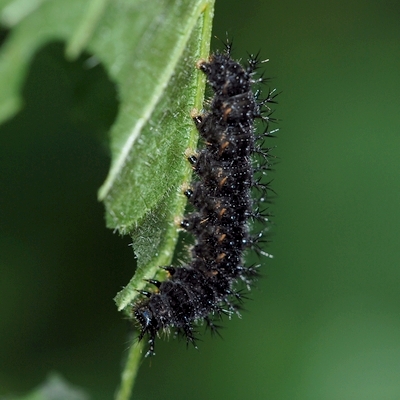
<point x="323" y="322"/>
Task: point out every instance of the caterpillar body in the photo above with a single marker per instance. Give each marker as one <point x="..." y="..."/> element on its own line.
<point x="225" y="175"/>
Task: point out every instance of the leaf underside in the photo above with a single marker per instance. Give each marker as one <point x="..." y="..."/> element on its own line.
<point x="149" y="49"/>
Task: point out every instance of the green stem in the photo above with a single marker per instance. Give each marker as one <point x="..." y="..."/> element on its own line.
<point x="205" y="16"/>
<point x="131" y="369"/>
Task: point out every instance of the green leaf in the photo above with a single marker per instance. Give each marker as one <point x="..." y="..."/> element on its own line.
<point x="149" y="49"/>
<point x="55" y="388"/>
<point x="143" y="192"/>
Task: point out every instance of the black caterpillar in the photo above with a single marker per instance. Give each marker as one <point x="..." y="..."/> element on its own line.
<point x="204" y="288"/>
